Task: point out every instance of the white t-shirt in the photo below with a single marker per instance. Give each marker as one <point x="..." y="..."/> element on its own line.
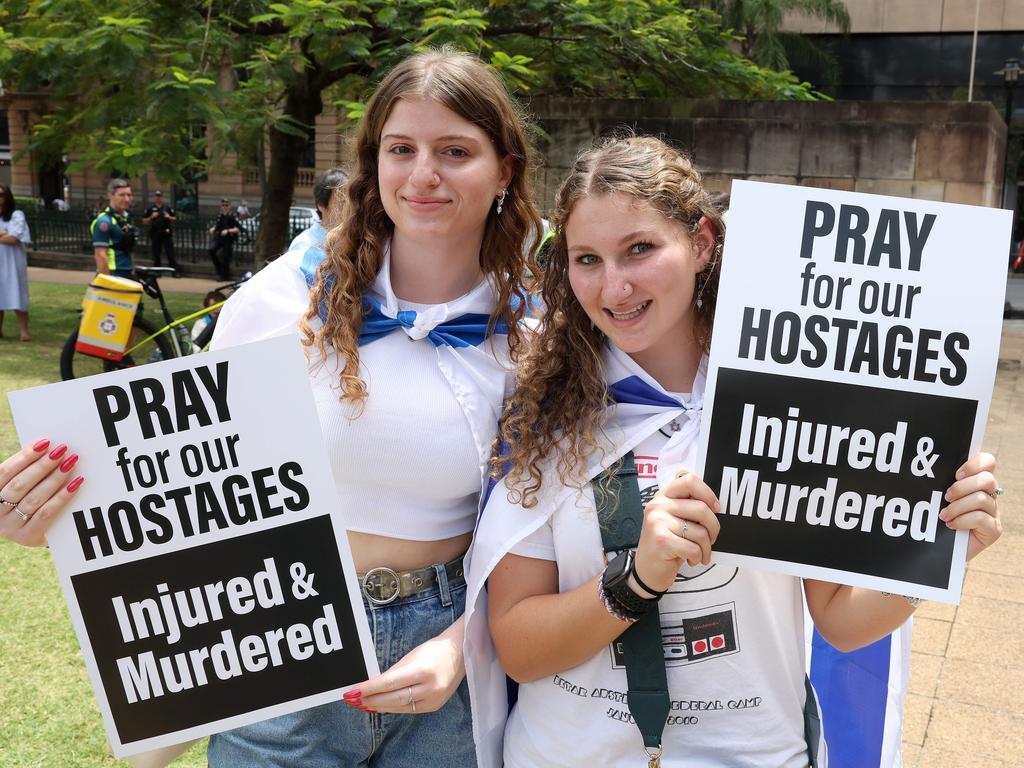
<point x="734" y="653"/>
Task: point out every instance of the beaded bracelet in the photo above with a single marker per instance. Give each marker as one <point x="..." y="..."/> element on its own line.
<point x="914" y="601"/>
<point x="619" y="612"/>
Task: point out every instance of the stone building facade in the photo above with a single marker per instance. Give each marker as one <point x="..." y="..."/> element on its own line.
<point x="934" y="150"/>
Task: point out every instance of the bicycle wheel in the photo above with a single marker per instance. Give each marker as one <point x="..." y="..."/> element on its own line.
<point x="76" y="365"/>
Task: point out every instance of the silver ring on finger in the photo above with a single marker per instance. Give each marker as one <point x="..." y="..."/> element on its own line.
<point x="411" y="702"/>
<point x="997" y="492"/>
<point x="686" y="527"/>
<point x="24" y="517"/>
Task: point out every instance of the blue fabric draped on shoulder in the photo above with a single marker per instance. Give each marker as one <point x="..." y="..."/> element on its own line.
<point x="636" y="391"/>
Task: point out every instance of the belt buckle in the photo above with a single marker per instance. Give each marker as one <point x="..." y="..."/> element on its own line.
<point x="367" y="585"/>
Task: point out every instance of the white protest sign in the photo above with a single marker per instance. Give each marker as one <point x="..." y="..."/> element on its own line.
<point x="204" y="561"/>
<point x="854" y="353"/>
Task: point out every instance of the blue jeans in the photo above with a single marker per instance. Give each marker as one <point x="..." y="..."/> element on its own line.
<point x="338" y="736"/>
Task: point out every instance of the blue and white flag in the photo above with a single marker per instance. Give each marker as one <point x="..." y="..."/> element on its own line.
<point x="861" y="695"/>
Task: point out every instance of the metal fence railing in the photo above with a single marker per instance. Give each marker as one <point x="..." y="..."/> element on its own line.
<point x="68" y="232"/>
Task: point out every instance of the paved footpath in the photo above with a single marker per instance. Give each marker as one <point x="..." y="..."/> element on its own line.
<point x="72" y="277"/>
<point x="965" y="708"/>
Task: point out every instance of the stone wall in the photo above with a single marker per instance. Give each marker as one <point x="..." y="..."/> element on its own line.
<point x="951" y="151"/>
<point x="874" y="16"/>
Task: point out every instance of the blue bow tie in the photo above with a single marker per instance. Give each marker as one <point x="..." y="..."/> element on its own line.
<point x="633" y="390"/>
<point x="467" y="330"/>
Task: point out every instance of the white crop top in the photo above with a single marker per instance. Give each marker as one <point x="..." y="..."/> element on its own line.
<point x="407" y="467"/>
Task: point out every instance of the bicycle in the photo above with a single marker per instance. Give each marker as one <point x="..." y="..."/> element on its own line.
<point x="147" y="343"/>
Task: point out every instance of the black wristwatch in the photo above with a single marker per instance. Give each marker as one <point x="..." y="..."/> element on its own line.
<point x="617" y="589"/>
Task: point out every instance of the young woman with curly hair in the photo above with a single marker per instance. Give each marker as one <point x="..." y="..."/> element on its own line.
<point x="618" y="366"/>
<point x="411" y="319"/>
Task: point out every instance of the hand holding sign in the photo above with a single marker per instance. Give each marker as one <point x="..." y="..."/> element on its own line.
<point x="972" y="503"/>
<point x="679" y="525"/>
<point x="35" y="485"/>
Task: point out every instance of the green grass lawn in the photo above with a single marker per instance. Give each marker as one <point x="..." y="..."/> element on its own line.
<point x="50" y="717"/>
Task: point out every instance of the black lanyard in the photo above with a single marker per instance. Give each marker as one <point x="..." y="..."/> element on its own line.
<point x="621" y="514"/>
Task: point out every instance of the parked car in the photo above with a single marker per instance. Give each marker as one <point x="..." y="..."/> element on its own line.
<point x="299" y="218"/>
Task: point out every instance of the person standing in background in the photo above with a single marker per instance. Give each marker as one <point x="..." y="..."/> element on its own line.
<point x="159" y="217"/>
<point x="243" y="212"/>
<point x="224" y="230"/>
<point x="113" y="235"/>
<point x="323" y="189"/>
<point x="14" y="236"/>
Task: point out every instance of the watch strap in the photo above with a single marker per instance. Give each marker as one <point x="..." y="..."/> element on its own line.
<point x="622" y="595"/>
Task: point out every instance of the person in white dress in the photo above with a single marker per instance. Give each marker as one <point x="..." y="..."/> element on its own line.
<point x="14" y="238"/>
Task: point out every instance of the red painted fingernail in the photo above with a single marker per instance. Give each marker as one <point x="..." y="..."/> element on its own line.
<point x="74" y="484"/>
<point x="352" y="694"/>
<point x="59" y="451"/>
<point x="41" y="446"/>
<point x="69" y="462"/>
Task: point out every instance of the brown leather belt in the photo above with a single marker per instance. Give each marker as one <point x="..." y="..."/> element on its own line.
<point x="383" y="585"/>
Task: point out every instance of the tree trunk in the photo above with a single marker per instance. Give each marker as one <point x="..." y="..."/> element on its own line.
<point x="302" y="102"/>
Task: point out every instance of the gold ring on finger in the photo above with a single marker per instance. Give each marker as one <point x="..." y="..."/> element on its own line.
<point x="8" y="503"/>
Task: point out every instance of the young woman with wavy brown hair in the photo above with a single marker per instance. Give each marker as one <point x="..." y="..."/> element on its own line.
<point x="411" y="319"/>
<point x="615" y="378"/>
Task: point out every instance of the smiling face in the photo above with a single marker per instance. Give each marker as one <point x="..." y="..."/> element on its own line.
<point x="633" y="271"/>
<point x="438" y="173"/>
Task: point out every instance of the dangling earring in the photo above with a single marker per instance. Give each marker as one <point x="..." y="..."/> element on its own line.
<point x="501" y="200"/>
<point x="702" y="280"/>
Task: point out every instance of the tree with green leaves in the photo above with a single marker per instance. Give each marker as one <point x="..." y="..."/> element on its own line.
<point x="163" y="86"/>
